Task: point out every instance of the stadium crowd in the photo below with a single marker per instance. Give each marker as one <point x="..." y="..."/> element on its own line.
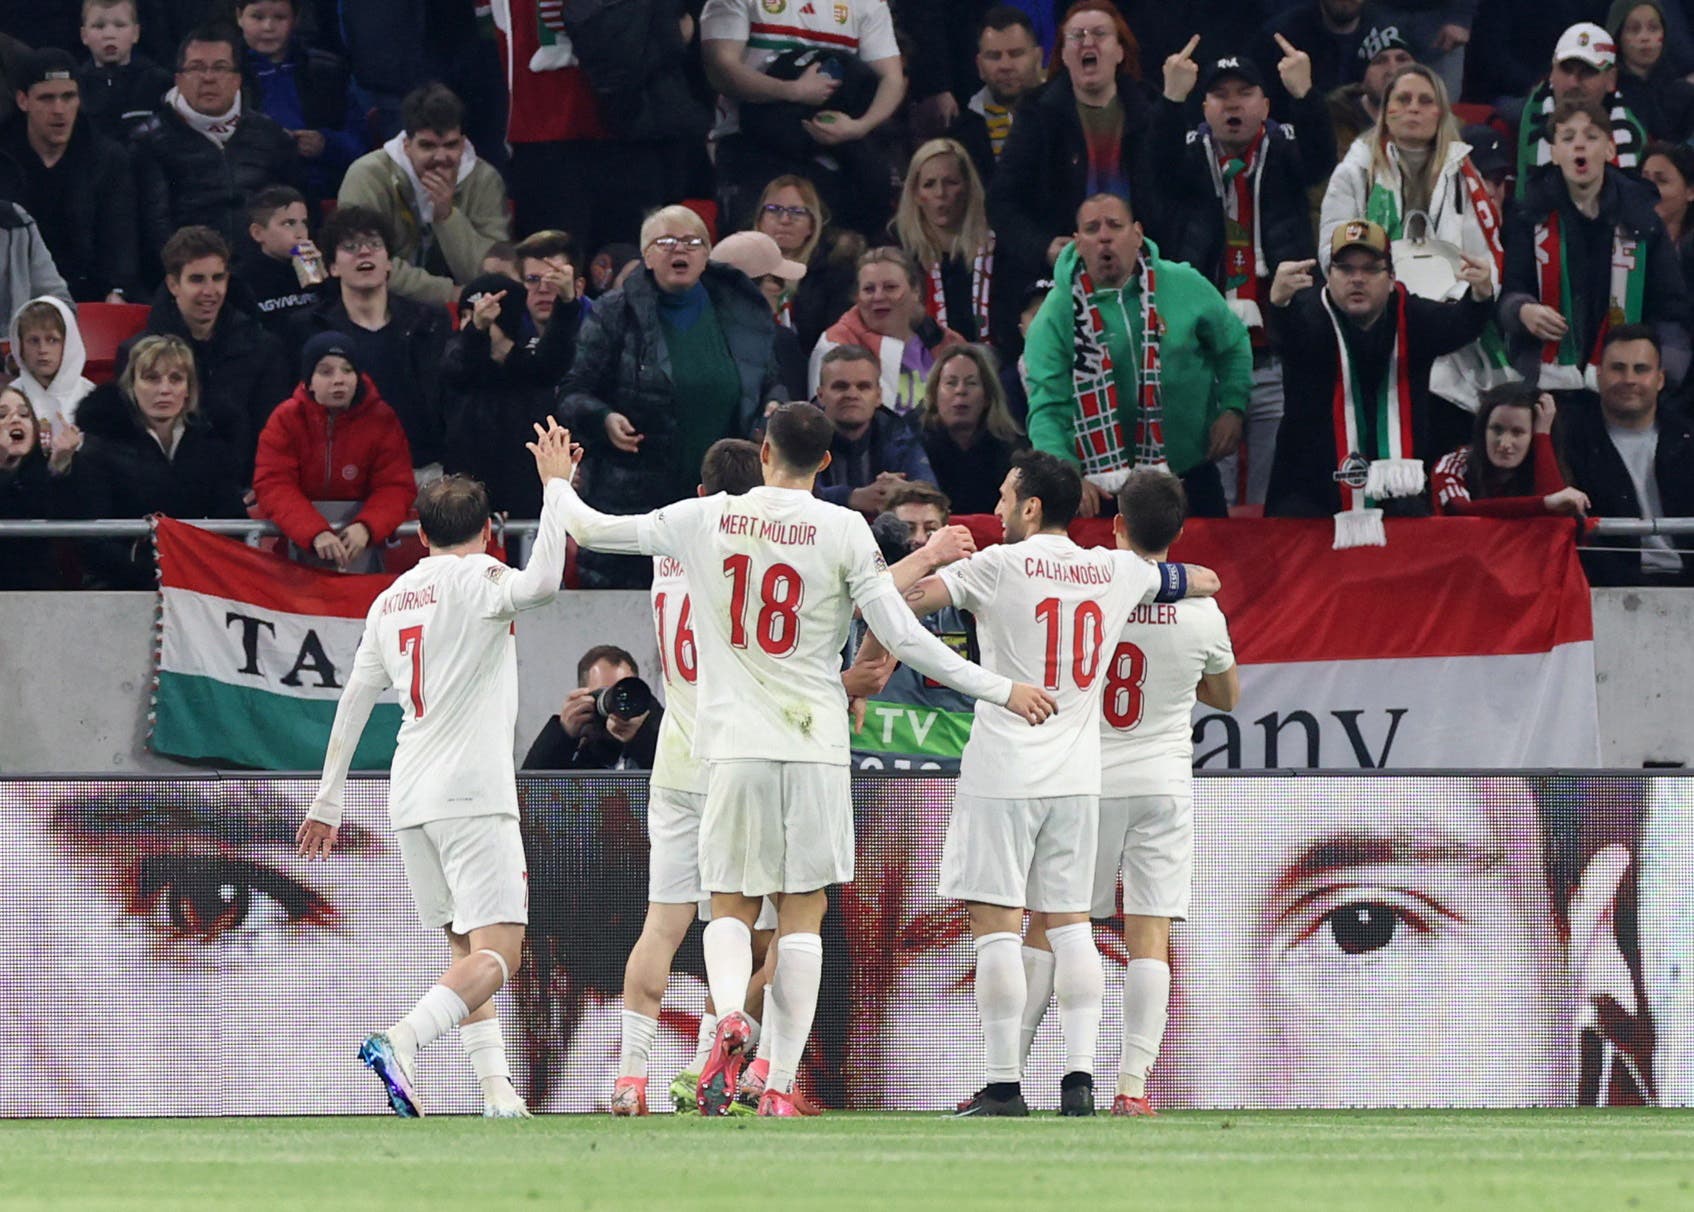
<point x="291" y="259"/>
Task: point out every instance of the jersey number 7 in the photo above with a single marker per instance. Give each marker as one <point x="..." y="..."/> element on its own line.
<point x="781" y="591"/>
<point x="411" y="644"/>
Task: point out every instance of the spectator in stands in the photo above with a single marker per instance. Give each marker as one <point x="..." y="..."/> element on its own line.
<point x="501" y="258"/>
<point x="1085" y="132"/>
<point x="1388" y="338"/>
<point x="875" y="451"/>
<point x="306" y="89"/>
<point x="611" y="268"/>
<point x="1493" y="163"/>
<point x="1008" y="59"/>
<point x="549" y="266"/>
<point x="740" y="39"/>
<point x="587" y="734"/>
<point x="1237" y="187"/>
<point x="1669" y="167"/>
<point x="1569" y="231"/>
<point x="923" y="508"/>
<point x="121" y="87"/>
<point x="1356" y="108"/>
<point x="1330" y="32"/>
<point x="968" y="434"/>
<point x="148" y="451"/>
<point x="791" y="213"/>
<point x="444" y="206"/>
<point x="35" y="483"/>
<point x="26" y="267"/>
<point x="501" y="372"/>
<point x="399" y="340"/>
<point x="50" y="356"/>
<point x="758" y="256"/>
<point x="889" y="319"/>
<point x="1111" y="393"/>
<point x="1437" y="32"/>
<point x="76" y="183"/>
<point x="334" y="440"/>
<point x="1509" y="468"/>
<point x="203" y="154"/>
<point x="241" y="371"/>
<point x="1646" y="82"/>
<point x="942" y="223"/>
<point x="680" y="356"/>
<point x="266" y="266"/>
<point x="1584" y="69"/>
<point x="1634" y="458"/>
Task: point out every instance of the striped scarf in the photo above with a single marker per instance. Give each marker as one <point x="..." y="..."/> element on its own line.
<point x="1564" y="364"/>
<point x="982" y="282"/>
<point x="1535" y="141"/>
<point x="1097" y="432"/>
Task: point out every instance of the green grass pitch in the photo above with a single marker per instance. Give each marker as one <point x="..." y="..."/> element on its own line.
<point x="1360" y="1161"/>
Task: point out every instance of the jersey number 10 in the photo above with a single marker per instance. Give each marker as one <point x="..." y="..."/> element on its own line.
<point x="1088" y="633"/>
<point x="777" y="627"/>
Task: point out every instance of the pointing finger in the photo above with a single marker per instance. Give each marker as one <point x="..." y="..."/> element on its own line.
<point x="1188" y="51"/>
<point x="1285" y="44"/>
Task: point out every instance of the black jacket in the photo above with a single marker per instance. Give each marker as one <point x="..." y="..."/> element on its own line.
<point x="1664" y="102"/>
<point x="830" y="287"/>
<point x="489" y="408"/>
<point x="1043" y="173"/>
<point x="120" y="100"/>
<point x="1302" y="481"/>
<point x="122" y="472"/>
<point x="555" y="749"/>
<point x="242" y="370"/>
<point x="1626" y="201"/>
<point x="421" y="330"/>
<point x="634" y="57"/>
<point x="1292" y="159"/>
<point x="183" y="178"/>
<point x="271" y="290"/>
<point x="84" y="207"/>
<point x="970" y="478"/>
<point x="970" y="130"/>
<point x="1598" y="469"/>
<point x="1335" y="57"/>
<point x="29" y="491"/>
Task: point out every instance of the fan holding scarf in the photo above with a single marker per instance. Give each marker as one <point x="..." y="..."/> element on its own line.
<point x="1586" y="252"/>
<point x="1355" y="436"/>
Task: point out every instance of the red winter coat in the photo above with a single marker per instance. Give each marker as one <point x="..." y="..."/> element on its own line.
<point x="307" y="455"/>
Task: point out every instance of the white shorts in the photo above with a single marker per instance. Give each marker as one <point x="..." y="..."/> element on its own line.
<point x="673" y="862"/>
<point x="776" y="827"/>
<point x="1152" y="838"/>
<point x="1030" y="854"/>
<point x="466" y="871"/>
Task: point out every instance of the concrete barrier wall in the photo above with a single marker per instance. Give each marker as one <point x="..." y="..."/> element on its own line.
<point x="76" y="669"/>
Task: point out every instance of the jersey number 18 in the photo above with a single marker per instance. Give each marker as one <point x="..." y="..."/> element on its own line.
<point x="777" y="625"/>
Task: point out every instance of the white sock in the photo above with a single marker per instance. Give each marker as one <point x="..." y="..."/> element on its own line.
<point x="639" y="1032"/>
<point x="728" y="947"/>
<point x="1000" y="994"/>
<point x="1080" y="981"/>
<point x="703" y="1041"/>
<point x="1146" y="1002"/>
<point x="1038" y="975"/>
<point x="799" y="960"/>
<point x="485" y="1048"/>
<point x="436" y="1013"/>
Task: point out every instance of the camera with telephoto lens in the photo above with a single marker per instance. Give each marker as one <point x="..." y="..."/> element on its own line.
<point x="626" y="698"/>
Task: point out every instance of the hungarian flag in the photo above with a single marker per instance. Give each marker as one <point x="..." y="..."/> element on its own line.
<point x="1466" y="642"/>
<point x="251" y="655"/>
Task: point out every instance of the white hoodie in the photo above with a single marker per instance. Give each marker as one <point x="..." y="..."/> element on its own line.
<point x="54" y="403"/>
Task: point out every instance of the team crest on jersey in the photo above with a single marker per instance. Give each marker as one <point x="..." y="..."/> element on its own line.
<point x="496" y="572"/>
<point x="841" y="14"/>
<point x="1353" y="472"/>
<point x="773" y="7"/>
<point x="881" y="564"/>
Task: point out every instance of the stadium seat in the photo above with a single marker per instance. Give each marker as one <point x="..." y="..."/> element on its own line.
<point x="105" y="326"/>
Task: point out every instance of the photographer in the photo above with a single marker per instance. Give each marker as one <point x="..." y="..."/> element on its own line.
<point x="609" y="722"/>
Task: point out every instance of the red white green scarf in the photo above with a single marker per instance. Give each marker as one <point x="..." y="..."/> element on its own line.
<point x="1389" y="468"/>
<point x="1236" y="181"/>
<point x="1563" y="364"/>
<point x="1097" y="433"/>
<point x="982" y="282"/>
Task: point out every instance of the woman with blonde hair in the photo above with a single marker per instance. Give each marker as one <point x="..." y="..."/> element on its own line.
<point x="888" y="319"/>
<point x="147" y="451"/>
<point x="791" y="213"/>
<point x="968" y="432"/>
<point x="942" y="222"/>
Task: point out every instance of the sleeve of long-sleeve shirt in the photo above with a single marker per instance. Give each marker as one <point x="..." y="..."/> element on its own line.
<point x="538" y="583"/>
<point x="365" y="686"/>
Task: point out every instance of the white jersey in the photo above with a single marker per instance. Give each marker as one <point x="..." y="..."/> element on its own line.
<point x="769" y="27"/>
<point x="674" y="764"/>
<point x="1045" y="609"/>
<point x="773" y="577"/>
<point x="1152" y="676"/>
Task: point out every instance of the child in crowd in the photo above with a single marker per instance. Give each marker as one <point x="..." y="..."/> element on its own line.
<point x="121" y="87"/>
<point x="501" y="258"/>
<point x="276" y="222"/>
<point x="34" y="483"/>
<point x="303" y="89"/>
<point x="50" y="357"/>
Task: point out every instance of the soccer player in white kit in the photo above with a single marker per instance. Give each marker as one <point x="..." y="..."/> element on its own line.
<point x="443" y="635"/>
<point x="1025" y="819"/>
<point x="774" y="576"/>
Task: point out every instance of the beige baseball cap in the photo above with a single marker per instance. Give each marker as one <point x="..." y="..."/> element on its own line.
<point x="756" y="254"/>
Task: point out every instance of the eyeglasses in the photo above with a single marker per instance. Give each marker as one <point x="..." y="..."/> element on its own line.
<point x="787" y="212"/>
<point x="1077" y="37"/>
<point x="673" y="243"/>
<point x="206" y="69"/>
<point x="360" y="244"/>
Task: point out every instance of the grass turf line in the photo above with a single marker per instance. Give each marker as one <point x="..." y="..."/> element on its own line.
<point x="1300" y="1160"/>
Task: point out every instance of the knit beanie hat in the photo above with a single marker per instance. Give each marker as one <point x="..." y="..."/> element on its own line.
<point x="512" y="307"/>
<point x="322" y="346"/>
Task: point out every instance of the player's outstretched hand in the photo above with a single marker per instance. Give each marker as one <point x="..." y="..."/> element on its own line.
<point x="315" y="839"/>
<point x="555" y="457"/>
<point x="1033" y="704"/>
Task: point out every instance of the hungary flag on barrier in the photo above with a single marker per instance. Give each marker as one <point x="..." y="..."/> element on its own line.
<point x="252" y="652"/>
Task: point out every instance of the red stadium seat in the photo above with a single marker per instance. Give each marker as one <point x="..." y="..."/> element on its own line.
<point x="105" y="326"/>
